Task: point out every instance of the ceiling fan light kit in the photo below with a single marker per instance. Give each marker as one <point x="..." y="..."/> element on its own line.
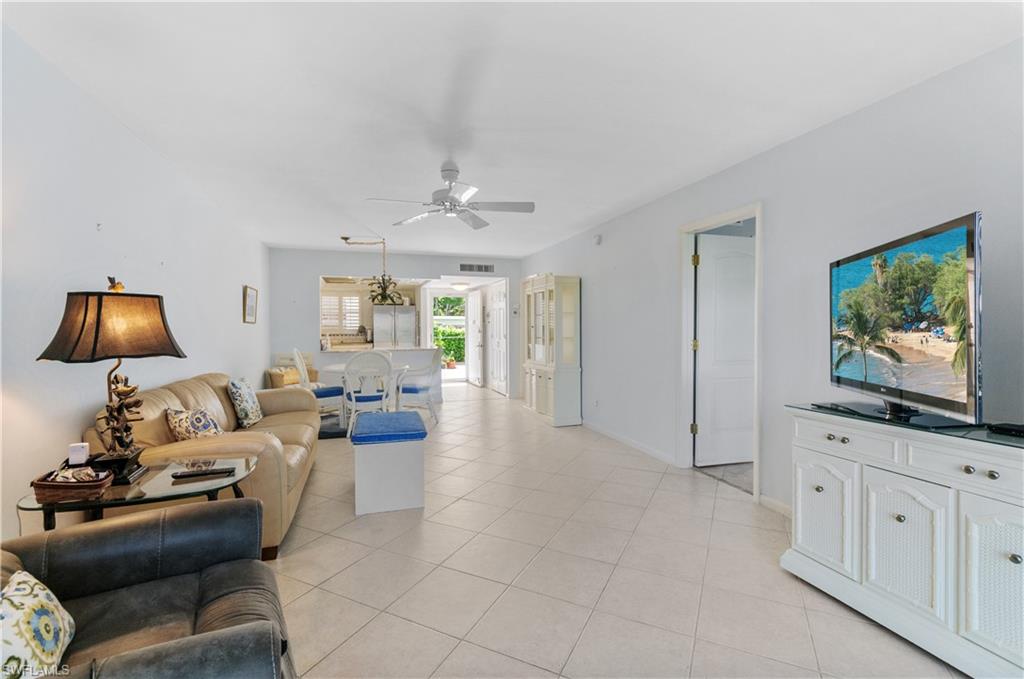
<point x="452" y="201"/>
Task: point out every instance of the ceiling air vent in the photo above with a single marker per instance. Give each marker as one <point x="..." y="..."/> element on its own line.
<point x="476" y="268"/>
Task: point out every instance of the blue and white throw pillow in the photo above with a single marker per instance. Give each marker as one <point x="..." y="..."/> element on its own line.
<point x="192" y="424"/>
<point x="36" y="629"/>
<point x="247" y="406"/>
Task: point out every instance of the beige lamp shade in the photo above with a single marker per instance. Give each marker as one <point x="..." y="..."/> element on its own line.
<point x="101" y="325"/>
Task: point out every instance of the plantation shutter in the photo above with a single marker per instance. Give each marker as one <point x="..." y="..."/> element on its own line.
<point x="350" y="313"/>
<point x="330" y="311"/>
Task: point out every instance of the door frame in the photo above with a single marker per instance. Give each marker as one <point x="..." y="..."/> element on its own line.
<point x="488" y="349"/>
<point x="685" y="386"/>
<point x="479" y="350"/>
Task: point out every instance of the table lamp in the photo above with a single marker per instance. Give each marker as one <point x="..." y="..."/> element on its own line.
<point x="98" y="326"/>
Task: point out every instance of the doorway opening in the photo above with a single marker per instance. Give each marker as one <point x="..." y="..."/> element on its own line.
<point x="469" y="321"/>
<point x="448" y="329"/>
<point x="721" y="347"/>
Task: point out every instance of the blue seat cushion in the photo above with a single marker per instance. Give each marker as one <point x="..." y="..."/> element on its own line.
<point x="388" y="428"/>
<point x="364" y="398"/>
<point x="328" y="392"/>
<point x="415" y="388"/>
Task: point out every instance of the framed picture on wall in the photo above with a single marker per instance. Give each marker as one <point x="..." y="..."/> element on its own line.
<point x="249" y="298"/>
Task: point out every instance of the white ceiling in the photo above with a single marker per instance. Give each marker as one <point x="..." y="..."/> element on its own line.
<point x="292" y="114"/>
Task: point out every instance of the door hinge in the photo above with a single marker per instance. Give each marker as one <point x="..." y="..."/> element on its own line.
<point x="695" y="345"/>
<point x="693" y="428"/>
<point x="695" y="259"/>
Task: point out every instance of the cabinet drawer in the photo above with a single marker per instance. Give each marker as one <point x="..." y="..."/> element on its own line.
<point x="826" y="516"/>
<point x="968" y="469"/>
<point x="838" y="439"/>
<point x="992" y="575"/>
<point x="907" y="542"/>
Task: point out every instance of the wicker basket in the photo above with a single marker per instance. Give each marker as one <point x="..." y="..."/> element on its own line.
<point x="50" y="492"/>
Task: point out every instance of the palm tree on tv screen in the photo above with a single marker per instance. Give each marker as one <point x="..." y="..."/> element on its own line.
<point x="863" y="331"/>
<point x="951" y="299"/>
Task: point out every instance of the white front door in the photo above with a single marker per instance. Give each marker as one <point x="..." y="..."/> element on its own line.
<point x="497" y="337"/>
<point x="474" y="338"/>
<point x="724" y="354"/>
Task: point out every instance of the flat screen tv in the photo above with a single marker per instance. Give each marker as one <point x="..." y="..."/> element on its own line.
<point x="905" y="322"/>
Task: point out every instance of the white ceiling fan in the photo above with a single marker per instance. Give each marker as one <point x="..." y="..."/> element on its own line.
<point x="453" y="201"/>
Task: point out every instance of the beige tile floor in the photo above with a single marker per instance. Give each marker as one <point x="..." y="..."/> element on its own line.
<point x="740" y="475"/>
<point x="549" y="552"/>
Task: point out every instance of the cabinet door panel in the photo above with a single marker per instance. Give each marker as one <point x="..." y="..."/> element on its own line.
<point x="826" y="517"/>
<point x="907" y="545"/>
<point x="992" y="575"/>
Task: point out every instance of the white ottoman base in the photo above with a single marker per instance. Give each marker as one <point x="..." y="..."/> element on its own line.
<point x="389" y="476"/>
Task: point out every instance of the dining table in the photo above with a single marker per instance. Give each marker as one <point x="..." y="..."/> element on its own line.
<point x="333" y="375"/>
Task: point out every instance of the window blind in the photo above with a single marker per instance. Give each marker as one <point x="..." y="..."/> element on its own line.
<point x="350" y="313"/>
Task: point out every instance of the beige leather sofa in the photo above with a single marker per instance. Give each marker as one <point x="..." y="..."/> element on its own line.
<point x="285" y="441"/>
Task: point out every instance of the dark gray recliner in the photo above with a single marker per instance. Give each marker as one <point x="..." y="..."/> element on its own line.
<point x="166" y="593"/>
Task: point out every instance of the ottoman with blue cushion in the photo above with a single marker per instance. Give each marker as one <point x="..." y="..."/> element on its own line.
<point x="388" y="461"/>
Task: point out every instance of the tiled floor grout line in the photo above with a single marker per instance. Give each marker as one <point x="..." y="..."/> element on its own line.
<point x="700" y="597"/>
<point x="375" y="616"/>
<point x="508" y="586"/>
<point x="597" y="602"/>
<point x="580" y="454"/>
<point x="632" y="532"/>
<point x="810" y="635"/>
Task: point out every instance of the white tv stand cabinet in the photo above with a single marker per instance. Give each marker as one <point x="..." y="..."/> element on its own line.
<point x="922" y="531"/>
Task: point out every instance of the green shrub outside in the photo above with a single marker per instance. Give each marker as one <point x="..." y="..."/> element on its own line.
<point x="452" y="340"/>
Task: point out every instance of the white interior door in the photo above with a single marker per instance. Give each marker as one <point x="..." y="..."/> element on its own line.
<point x="724" y="357"/>
<point x="474" y="338"/>
<point x="497" y="337"/>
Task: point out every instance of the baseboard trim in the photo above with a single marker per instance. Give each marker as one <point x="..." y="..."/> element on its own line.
<point x="776" y="506"/>
<point x="664" y="457"/>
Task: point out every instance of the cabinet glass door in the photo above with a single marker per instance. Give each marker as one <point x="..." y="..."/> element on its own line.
<point x="539" y="325"/>
<point x="528" y="318"/>
<point x="567" y="302"/>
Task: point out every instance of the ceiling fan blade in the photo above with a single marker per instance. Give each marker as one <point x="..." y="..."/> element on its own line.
<point x="472" y="219"/>
<point x="462" y="192"/>
<point x="502" y="207"/>
<point x="397" y="200"/>
<point x="417" y="218"/>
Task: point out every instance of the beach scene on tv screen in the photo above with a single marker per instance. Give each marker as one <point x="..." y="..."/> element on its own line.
<point x="900" y="318"/>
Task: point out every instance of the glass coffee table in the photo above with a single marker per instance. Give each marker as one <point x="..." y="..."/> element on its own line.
<point x="156" y="485"/>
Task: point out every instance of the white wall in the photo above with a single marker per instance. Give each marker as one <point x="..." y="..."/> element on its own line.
<point x="68" y="165"/>
<point x="294" y="276"/>
<point x="946" y="147"/>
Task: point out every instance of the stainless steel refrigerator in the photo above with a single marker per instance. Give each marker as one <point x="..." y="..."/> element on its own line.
<point x="394" y="327"/>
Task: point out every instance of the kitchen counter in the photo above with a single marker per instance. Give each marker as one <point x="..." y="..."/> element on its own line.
<point x="349" y="348"/>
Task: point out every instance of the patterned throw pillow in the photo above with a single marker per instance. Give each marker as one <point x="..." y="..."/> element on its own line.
<point x="192" y="424"/>
<point x="247" y="406"/>
<point x="36" y="628"/>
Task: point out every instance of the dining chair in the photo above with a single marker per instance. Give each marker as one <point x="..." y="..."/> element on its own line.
<point x="329" y="398"/>
<point x="367" y="384"/>
<point x="412" y="389"/>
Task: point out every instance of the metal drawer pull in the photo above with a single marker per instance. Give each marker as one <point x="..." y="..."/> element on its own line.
<point x="1016" y="558"/>
<point x="969" y="469"/>
<point x="830" y="437"/>
<point x="819" y="489"/>
<point x="900" y="518"/>
<point x="844" y="440"/>
<point x="993" y="474"/>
